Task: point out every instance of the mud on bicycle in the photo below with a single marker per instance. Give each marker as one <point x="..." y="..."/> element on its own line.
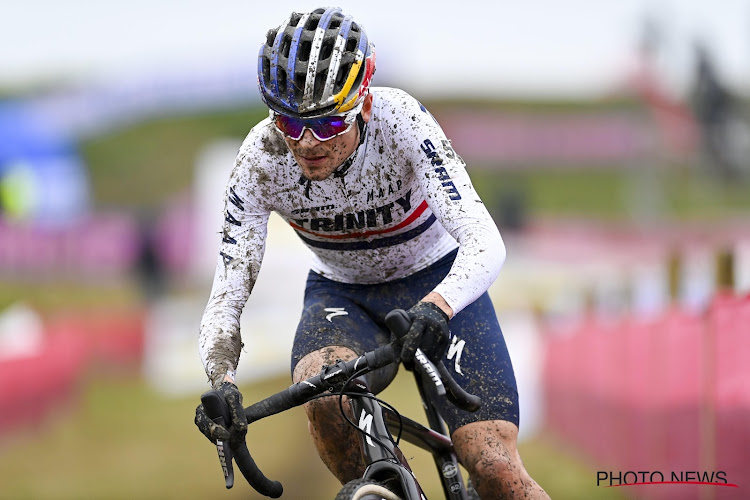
<point x="381" y="428"/>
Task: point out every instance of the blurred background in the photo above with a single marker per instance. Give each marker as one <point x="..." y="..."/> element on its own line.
<point x="610" y="141"/>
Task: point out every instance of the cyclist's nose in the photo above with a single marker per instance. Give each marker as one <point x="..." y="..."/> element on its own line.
<point x="308" y="138"/>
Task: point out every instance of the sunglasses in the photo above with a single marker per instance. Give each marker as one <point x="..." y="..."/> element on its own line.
<point x="324" y="128"/>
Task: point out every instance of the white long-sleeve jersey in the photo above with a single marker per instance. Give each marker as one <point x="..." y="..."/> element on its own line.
<point x="404" y="202"/>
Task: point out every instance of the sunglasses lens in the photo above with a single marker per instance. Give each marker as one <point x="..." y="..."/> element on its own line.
<point x="291" y="127"/>
<point x="323" y="128"/>
<point x="329" y="127"/>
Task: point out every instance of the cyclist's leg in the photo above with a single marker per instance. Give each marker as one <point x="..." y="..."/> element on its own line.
<point x="488" y="451"/>
<point x="333" y="326"/>
<point x="336" y="441"/>
<point x="485" y="441"/>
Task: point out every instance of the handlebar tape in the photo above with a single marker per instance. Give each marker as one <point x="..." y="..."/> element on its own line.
<point x="253" y="475"/>
<point x="382" y="356"/>
<point x="274" y="404"/>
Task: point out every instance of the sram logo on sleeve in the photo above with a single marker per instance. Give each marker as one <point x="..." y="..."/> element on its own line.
<point x="431" y="151"/>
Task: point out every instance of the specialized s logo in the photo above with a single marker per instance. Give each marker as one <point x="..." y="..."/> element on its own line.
<point x="455" y="350"/>
<point x="365" y="423"/>
<point x="437" y="162"/>
<point x="335" y="311"/>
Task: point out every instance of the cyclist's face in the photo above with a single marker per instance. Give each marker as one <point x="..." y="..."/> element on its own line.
<point x="319" y="159"/>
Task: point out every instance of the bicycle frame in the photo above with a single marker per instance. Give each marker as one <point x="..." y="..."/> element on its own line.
<point x="379" y="449"/>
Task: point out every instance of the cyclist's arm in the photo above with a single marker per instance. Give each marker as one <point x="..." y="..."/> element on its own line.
<point x="452" y="198"/>
<point x="238" y="263"/>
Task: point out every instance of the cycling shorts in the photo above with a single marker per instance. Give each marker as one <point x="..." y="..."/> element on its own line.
<point x="352" y="316"/>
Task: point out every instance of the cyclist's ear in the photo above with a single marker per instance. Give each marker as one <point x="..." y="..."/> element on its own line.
<point x="367" y="108"/>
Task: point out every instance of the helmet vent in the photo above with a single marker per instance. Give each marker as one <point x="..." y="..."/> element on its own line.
<point x="351" y="44"/>
<point x="299" y="84"/>
<point x="326" y="49"/>
<point x="312" y="22"/>
<point x="286" y="43"/>
<point x="304" y="51"/>
<point x="340" y="77"/>
<point x="281" y="78"/>
<point x="296" y="16"/>
<point x="270" y="37"/>
<point x="266" y="69"/>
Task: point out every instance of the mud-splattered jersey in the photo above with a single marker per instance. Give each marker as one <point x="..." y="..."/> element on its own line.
<point x="399" y="204"/>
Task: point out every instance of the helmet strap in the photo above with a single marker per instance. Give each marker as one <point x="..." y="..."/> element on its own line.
<point x="341" y="171"/>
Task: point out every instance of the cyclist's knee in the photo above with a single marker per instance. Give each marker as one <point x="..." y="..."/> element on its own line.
<point x="320" y="410"/>
<point x="493" y="464"/>
<point x="324" y="412"/>
<point x="311" y="364"/>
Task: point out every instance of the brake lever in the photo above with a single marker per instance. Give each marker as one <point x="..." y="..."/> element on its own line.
<point x="456" y="394"/>
<point x="218" y="411"/>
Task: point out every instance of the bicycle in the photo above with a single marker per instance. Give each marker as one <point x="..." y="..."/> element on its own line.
<point x="387" y="475"/>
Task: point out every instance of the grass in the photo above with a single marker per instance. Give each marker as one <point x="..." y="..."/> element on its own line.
<point x="63" y="295"/>
<point x="615" y="194"/>
<point x="145" y="165"/>
<point x="120" y="439"/>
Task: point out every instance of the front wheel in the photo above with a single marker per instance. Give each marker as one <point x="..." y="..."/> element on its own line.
<point x="365" y="489"/>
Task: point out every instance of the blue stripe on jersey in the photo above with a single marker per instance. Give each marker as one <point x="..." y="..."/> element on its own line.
<point x="371" y="244"/>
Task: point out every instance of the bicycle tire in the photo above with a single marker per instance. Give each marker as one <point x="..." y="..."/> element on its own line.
<point x="366" y="489"/>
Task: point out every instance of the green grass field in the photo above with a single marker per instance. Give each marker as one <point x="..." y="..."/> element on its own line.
<point x="121" y="440"/>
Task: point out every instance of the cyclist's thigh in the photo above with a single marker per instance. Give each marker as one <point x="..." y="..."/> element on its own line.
<point x="479" y="361"/>
<point x="332" y="318"/>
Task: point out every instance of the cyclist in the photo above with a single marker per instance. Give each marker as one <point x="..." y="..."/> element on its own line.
<point x="370" y="183"/>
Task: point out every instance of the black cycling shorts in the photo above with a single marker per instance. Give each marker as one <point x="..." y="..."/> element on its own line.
<point x="349" y="315"/>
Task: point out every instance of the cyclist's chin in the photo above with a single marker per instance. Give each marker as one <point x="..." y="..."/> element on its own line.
<point x="317" y="170"/>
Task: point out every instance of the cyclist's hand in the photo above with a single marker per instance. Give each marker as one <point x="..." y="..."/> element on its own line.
<point x="235" y="434"/>
<point x="429" y="331"/>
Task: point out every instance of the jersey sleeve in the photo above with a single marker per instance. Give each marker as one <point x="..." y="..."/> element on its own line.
<point x="241" y="252"/>
<point x="446" y="186"/>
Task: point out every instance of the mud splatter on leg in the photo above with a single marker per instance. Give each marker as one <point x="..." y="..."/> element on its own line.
<point x="488" y="451"/>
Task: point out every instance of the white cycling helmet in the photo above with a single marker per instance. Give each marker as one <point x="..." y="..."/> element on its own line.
<point x="315" y="64"/>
